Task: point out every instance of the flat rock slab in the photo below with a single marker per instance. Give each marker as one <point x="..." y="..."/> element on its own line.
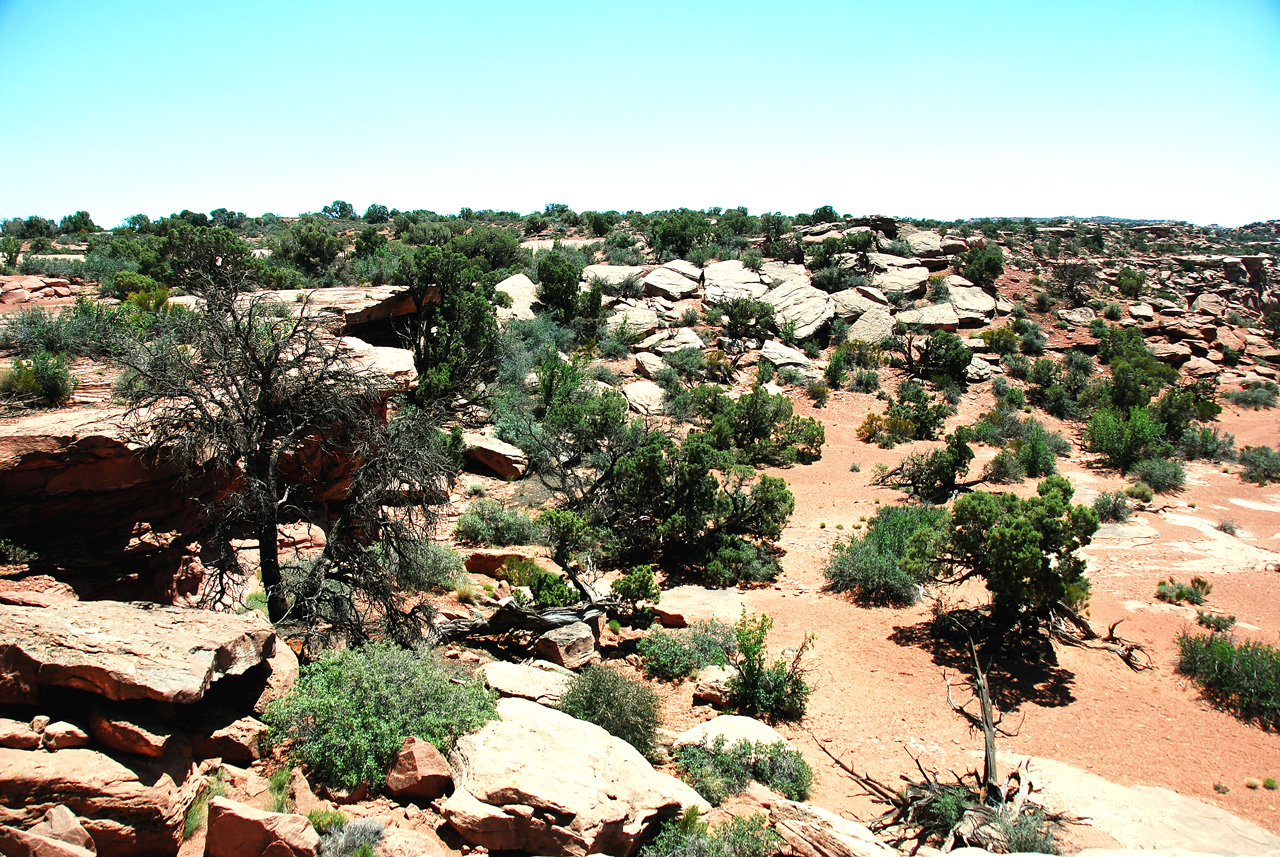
<point x="122" y="650"/>
<point x="734" y="728"/>
<point x="526" y="682"/>
<point x="1147" y="817"/>
<point x="685" y="604"/>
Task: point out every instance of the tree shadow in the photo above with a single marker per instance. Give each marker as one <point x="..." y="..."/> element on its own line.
<point x="1020" y="668"/>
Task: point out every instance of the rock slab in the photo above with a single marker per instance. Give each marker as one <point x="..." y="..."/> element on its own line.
<point x="419" y="772"/>
<point x="238" y="830"/>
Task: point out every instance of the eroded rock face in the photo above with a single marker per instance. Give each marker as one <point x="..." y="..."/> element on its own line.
<point x="419" y="772"/>
<point x="526" y="682"/>
<point x="237" y="830"/>
<point x="126" y="650"/>
<point x="543" y="782"/>
<point x="570" y="646"/>
<point x="504" y="459"/>
<point x="126" y="809"/>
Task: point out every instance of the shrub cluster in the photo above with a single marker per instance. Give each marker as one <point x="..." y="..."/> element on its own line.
<point x="776" y="691"/>
<point x="687" y="836"/>
<point x="869" y="568"/>
<point x="350" y="711"/>
<point x="486" y="522"/>
<point x="1261" y="464"/>
<point x="1243" y="678"/>
<point x="626" y="708"/>
<point x="717" y="772"/>
<point x="676" y="654"/>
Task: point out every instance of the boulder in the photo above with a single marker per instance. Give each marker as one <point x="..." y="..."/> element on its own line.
<point x="17" y="735"/>
<point x="60" y="823"/>
<point x="1228" y="338"/>
<point x="644" y="397"/>
<point x="815" y="832"/>
<point x="873" y="326"/>
<point x="62" y="735"/>
<point x="126" y="650"/>
<point x="1142" y="312"/>
<point x="133" y="809"/>
<point x="782" y="355"/>
<point x="1169" y="352"/>
<point x="525" y="682"/>
<point x="394" y="367"/>
<point x="909" y="281"/>
<point x="648" y="364"/>
<point x="711" y="685"/>
<point x="889" y="262"/>
<point x="1199" y="367"/>
<point x="851" y="304"/>
<point x="240" y="740"/>
<point x="640" y="320"/>
<point x="734" y="728"/>
<point x="797" y="301"/>
<point x="488" y="561"/>
<point x="238" y="830"/>
<point x="1079" y="317"/>
<point x="128" y="734"/>
<point x="569" y="646"/>
<point x="19" y="843"/>
<point x="683" y="339"/>
<point x="725" y="280"/>
<point x="783" y="272"/>
<point x="613" y="274"/>
<point x="951" y="245"/>
<point x="419" y="772"/>
<point x="669" y="284"/>
<point x="936" y="317"/>
<point x="972" y="305"/>
<point x="1210" y="304"/>
<point x="925" y="243"/>
<point x="524" y="294"/>
<point x="504" y="459"/>
<point x="542" y="782"/>
<point x="685" y="267"/>
<point x="977" y="370"/>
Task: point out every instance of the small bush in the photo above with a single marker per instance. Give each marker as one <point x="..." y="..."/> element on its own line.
<point x="1215" y="623"/>
<point x="1175" y="593"/>
<point x="486" y="522"/>
<point x="738" y="837"/>
<point x="1165" y="476"/>
<point x="865" y="381"/>
<point x="1228" y="526"/>
<point x="356" y="838"/>
<point x="717" y="772"/>
<point x="626" y="708"/>
<point x="1111" y="506"/>
<point x="1261" y="464"/>
<point x="326" y="820"/>
<point x="776" y="691"/>
<point x="1255" y="395"/>
<point x="45" y="378"/>
<point x="349" y="712"/>
<point x="1202" y="442"/>
<point x="1112" y="312"/>
<point x="819" y="393"/>
<point x="1243" y="678"/>
<point x="1004" y="469"/>
<point x="1017" y="365"/>
<point x="677" y="654"/>
<point x="1141" y="492"/>
<point x="868" y="568"/>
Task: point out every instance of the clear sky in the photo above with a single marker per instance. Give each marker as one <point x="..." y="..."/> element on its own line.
<point x="1164" y="109"/>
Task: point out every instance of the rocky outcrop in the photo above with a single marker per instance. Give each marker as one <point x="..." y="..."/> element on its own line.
<point x="526" y="682"/>
<point x="873" y="326"/>
<point x="569" y="646"/>
<point x="814" y="832"/>
<point x="523" y="294"/>
<point x="800" y="303"/>
<point x="644" y="397"/>
<point x="127" y="651"/>
<point x="782" y="355"/>
<point x="238" y="830"/>
<point x="733" y="728"/>
<point x="936" y="317"/>
<point x="599" y="796"/>
<point x="128" y="809"/>
<point x="506" y="460"/>
<point x="670" y="284"/>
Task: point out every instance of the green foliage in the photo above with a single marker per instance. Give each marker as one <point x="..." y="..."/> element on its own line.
<point x="870" y="568"/>
<point x="558" y="279"/>
<point x="626" y="708"/>
<point x="487" y="522"/>
<point x="1130" y="282"/>
<point x="355" y="838"/>
<point x="914" y="415"/>
<point x="45" y="378"/>
<point x="551" y="590"/>
<point x="1025" y="550"/>
<point x="327" y="820"/>
<point x="1111" y="507"/>
<point x="758" y="428"/>
<point x="636" y="587"/>
<point x="350" y="711"/>
<point x="1004" y="469"/>
<point x="1175" y="593"/>
<point x="1216" y="623"/>
<point x="10" y="248"/>
<point x="1243" y="678"/>
<point x="981" y="266"/>
<point x="865" y="381"/>
<point x="776" y="691"/>
<point x="677" y="654"/>
<point x="738" y="837"/>
<point x="1001" y="340"/>
<point x="944" y="354"/>
<point x="746" y="317"/>
<point x="1124" y="439"/>
<point x="1255" y="395"/>
<point x="1164" y="475"/>
<point x="84" y="329"/>
<point x="933" y="476"/>
<point x="716" y="772"/>
<point x="1202" y="442"/>
<point x="1141" y="492"/>
<point x="678" y="232"/>
<point x="1260" y="464"/>
<point x="198" y="811"/>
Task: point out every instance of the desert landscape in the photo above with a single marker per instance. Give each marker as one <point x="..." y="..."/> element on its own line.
<point x="680" y="532"/>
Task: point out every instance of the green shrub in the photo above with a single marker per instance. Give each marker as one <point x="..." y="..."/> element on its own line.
<point x="84" y="329"/>
<point x="1113" y="312"/>
<point x="1255" y="395"/>
<point x="1129" y="282"/>
<point x="350" y="711"/>
<point x="677" y="654"/>
<point x="626" y="708"/>
<point x="1111" y="506"/>
<point x="716" y="772"/>
<point x="1017" y="365"/>
<point x="818" y="394"/>
<point x="1243" y="678"/>
<point x="45" y="378"/>
<point x="486" y="522"/>
<point x="1001" y="340"/>
<point x="1174" y="592"/>
<point x="738" y="837"/>
<point x="326" y="820"/>
<point x="1261" y="464"/>
<point x="1202" y="442"/>
<point x="1164" y="475"/>
<point x="1125" y="439"/>
<point x="1004" y="469"/>
<point x="1141" y="492"/>
<point x="865" y="381"/>
<point x="356" y="838"/>
<point x="1215" y="623"/>
<point x="868" y="568"/>
<point x="981" y="266"/>
<point x="776" y="691"/>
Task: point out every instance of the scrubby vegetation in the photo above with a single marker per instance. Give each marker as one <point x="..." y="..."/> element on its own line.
<point x="1240" y="677"/>
<point x="624" y="707"/>
<point x="870" y="568"/>
<point x="677" y="654"/>
<point x="718" y="771"/>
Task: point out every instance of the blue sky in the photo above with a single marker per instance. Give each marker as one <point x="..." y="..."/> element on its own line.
<point x="923" y="109"/>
